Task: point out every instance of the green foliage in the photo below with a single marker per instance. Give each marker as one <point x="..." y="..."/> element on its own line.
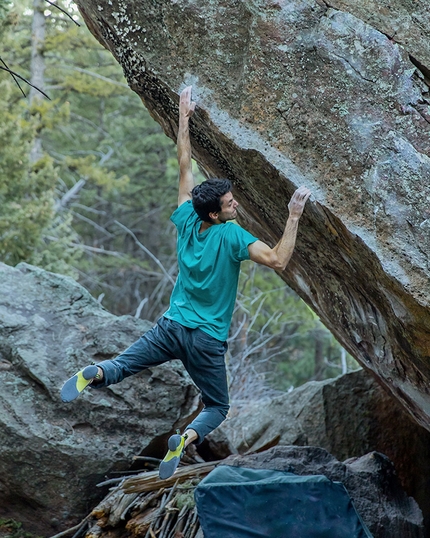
<point x="34" y="226"/>
<point x="30" y="229"/>
<point x="26" y="192"/>
<point x="48" y="114"/>
<point x="5" y="6"/>
<point x="9" y="528"/>
<point x="86" y="167"/>
<point x="6" y="16"/>
<point x="185" y="497"/>
<point x="59" y="250"/>
<point x="130" y="170"/>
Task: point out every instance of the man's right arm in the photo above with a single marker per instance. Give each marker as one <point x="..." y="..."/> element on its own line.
<point x="186" y="179"/>
<point x="278" y="257"/>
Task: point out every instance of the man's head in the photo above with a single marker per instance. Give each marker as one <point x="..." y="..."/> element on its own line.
<point x="213" y="201"/>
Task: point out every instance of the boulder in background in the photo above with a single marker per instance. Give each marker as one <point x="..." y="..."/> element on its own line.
<point x="52" y="454"/>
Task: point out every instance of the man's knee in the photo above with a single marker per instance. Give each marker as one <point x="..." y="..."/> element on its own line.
<point x="220" y="410"/>
<point x="224" y="409"/>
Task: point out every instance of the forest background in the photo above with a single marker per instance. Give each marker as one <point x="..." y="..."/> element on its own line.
<point x="88" y="181"/>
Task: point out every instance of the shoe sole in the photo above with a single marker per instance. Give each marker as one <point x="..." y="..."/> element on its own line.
<point x="171" y="460"/>
<point x="76" y="384"/>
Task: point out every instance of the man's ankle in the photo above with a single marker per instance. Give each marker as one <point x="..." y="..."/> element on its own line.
<point x="98" y="377"/>
<point x="190" y="436"/>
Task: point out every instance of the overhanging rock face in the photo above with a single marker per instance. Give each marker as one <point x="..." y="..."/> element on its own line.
<point x="332" y="97"/>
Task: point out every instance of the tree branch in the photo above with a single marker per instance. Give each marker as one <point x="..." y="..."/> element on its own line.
<point x="63" y="11"/>
<point x="96" y="75"/>
<point x="13" y="74"/>
<point x="70" y="194"/>
<point x="156" y="260"/>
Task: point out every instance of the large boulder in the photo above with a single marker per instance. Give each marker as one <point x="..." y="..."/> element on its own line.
<point x="331" y="96"/>
<point x="348" y="416"/>
<point x="53" y="454"/>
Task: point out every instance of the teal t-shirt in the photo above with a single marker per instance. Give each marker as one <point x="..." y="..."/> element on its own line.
<point x="209" y="263"/>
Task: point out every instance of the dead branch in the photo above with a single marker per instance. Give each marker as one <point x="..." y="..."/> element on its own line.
<point x="70" y="194"/>
<point x="13" y="74"/>
<point x="77" y="528"/>
<point x="150" y="481"/>
<point x="139" y="244"/>
<point x="63" y="11"/>
<point x="146" y="506"/>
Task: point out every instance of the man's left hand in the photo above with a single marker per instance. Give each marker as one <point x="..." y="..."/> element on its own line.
<point x="186" y="106"/>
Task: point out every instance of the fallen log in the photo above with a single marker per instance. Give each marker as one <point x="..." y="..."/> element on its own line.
<point x="150" y="481"/>
<point x="144" y="505"/>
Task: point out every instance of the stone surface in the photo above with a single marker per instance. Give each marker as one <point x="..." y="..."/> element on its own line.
<point x="402" y="21"/>
<point x="303" y="92"/>
<point x="348" y="416"/>
<point x="370" y="481"/>
<point x="53" y="454"/>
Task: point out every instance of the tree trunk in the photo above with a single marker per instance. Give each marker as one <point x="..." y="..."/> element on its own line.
<point x="319" y="355"/>
<point x="37" y="67"/>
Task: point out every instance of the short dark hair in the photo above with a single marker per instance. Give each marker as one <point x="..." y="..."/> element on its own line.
<point x="207" y="197"/>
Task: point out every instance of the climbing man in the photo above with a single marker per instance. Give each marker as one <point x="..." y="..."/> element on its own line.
<point x="194" y="329"/>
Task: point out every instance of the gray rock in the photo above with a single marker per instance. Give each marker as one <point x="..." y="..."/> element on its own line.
<point x="370" y="481"/>
<point x="292" y="93"/>
<point x="400" y="21"/>
<point x="217" y="445"/>
<point x="348" y="416"/>
<point x="53" y="454"/>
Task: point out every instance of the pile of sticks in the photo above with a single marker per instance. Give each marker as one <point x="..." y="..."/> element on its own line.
<point x="143" y="506"/>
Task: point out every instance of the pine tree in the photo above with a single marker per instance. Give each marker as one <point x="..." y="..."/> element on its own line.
<point x="127" y="170"/>
<point x="30" y="228"/>
<point x="26" y="192"/>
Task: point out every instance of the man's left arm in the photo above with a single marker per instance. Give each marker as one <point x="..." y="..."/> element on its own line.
<point x="279" y="256"/>
<point x="186" y="179"/>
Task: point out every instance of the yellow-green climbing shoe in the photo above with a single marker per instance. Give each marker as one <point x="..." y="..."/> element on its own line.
<point x="76" y="384"/>
<point x="168" y="466"/>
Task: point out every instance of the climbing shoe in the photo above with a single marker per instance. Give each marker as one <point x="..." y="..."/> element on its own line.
<point x="76" y="384"/>
<point x="168" y="466"/>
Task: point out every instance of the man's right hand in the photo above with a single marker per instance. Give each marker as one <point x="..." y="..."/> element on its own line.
<point x="298" y="201"/>
<point x="279" y="256"/>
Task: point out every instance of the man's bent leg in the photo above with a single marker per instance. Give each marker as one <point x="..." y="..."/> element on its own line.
<point x="153" y="348"/>
<point x="203" y="358"/>
<point x="205" y="362"/>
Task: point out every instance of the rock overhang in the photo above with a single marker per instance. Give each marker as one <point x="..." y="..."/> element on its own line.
<point x="298" y="92"/>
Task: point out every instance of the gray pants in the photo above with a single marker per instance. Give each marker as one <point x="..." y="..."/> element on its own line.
<point x="202" y="356"/>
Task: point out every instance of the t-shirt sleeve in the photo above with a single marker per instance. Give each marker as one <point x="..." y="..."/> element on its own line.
<point x="183" y="215"/>
<point x="240" y="239"/>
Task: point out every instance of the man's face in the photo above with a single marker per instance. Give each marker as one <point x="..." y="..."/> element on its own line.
<point x="228" y="208"/>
